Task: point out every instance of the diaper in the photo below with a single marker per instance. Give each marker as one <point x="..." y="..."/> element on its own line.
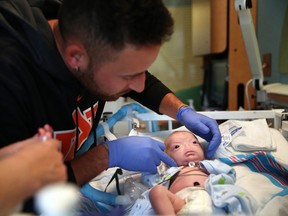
<point x="198" y="202"/>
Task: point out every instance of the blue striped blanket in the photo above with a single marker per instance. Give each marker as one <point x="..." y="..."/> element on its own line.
<point x="263" y="163"/>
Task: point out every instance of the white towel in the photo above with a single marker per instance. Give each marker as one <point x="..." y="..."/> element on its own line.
<point x="249" y="135"/>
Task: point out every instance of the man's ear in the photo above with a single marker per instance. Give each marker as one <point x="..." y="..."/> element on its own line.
<point x="76" y="57"/>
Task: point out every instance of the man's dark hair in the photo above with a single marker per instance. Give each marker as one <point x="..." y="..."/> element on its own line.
<point x="112" y="24"/>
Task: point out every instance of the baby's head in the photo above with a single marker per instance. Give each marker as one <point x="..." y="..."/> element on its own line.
<point x="184" y="147"/>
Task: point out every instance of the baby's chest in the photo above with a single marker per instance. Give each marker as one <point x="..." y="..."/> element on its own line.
<point x="188" y="178"/>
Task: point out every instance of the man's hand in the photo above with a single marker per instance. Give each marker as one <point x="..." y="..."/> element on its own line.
<point x="136" y="153"/>
<point x="202" y="126"/>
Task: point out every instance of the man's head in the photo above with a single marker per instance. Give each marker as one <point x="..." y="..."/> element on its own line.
<point x="110" y="44"/>
<point x="184" y="147"/>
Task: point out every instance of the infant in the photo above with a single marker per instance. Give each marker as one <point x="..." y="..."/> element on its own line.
<point x="185" y="149"/>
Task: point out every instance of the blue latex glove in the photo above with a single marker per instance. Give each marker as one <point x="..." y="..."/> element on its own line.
<point x="136" y="153"/>
<point x="202" y="126"/>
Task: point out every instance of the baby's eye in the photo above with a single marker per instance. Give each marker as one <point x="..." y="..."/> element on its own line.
<point x="195" y="142"/>
<point x="176" y="146"/>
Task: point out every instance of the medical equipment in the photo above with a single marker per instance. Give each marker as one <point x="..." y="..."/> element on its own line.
<point x="125" y="112"/>
<point x="271" y="95"/>
<point x="244" y="160"/>
<point x="250" y="41"/>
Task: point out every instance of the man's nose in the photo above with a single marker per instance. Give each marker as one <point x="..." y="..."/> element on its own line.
<point x="138" y="83"/>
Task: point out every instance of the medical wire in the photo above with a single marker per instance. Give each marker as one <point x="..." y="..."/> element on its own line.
<point x="182" y="174"/>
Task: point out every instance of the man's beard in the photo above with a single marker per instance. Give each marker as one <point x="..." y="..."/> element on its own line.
<point x="95" y="89"/>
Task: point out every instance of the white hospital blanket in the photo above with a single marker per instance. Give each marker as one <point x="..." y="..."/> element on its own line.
<point x="248" y="135"/>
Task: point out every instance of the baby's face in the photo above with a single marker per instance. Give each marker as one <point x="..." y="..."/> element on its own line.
<point x="183" y="147"/>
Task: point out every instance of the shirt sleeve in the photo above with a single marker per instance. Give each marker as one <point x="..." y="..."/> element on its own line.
<point x="153" y="93"/>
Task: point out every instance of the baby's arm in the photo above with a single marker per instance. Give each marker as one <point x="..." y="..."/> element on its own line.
<point x="165" y="202"/>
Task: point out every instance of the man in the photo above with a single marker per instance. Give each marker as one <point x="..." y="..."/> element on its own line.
<point x="61" y="72"/>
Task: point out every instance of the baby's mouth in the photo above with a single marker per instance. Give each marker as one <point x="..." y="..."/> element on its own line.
<point x="189" y="153"/>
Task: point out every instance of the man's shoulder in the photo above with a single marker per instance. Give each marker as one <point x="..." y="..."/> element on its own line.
<point x="24" y="8"/>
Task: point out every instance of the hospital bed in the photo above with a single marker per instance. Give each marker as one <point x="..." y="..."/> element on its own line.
<point x="258" y="155"/>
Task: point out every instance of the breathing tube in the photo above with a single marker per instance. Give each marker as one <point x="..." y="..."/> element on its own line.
<point x="124" y="111"/>
<point x="104" y="201"/>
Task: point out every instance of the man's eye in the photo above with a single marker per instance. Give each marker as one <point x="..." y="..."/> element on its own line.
<point x="127" y="78"/>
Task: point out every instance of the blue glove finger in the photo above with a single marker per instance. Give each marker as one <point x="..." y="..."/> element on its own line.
<point x="215" y="139"/>
<point x="160" y="144"/>
<point x="199" y="126"/>
<point x="212" y="125"/>
<point x="213" y="146"/>
<point x="167" y="160"/>
<point x="201" y="130"/>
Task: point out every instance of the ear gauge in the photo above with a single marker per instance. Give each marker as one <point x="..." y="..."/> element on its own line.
<point x="77" y="69"/>
<point x="77" y="57"/>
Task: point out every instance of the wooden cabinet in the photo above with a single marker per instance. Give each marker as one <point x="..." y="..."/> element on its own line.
<point x="216" y="34"/>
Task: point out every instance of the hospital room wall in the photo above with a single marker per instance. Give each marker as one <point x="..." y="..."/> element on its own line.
<point x="183" y="72"/>
<point x="180" y="63"/>
<point x="272" y="34"/>
<point x="175" y="65"/>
